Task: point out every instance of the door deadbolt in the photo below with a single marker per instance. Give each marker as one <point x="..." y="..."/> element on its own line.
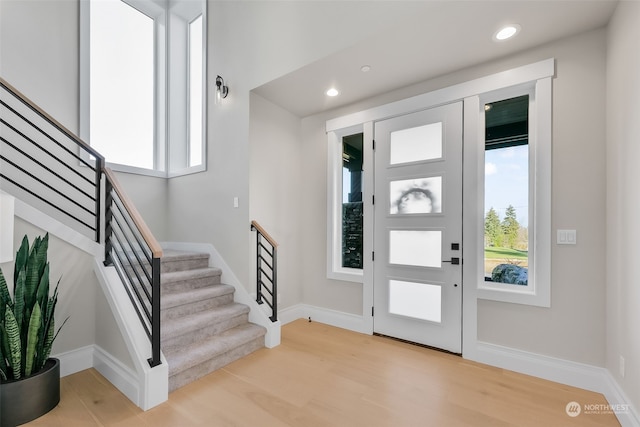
<point x="454" y="261"/>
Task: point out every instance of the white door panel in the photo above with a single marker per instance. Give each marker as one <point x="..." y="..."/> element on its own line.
<point x="418" y="227"/>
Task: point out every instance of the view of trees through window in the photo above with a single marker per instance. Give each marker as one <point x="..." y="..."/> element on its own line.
<point x="506" y="224"/>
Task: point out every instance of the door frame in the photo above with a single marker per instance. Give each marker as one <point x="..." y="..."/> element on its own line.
<point x="469" y="93"/>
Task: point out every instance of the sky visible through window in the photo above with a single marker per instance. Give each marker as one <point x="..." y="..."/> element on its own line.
<point x="507" y="180"/>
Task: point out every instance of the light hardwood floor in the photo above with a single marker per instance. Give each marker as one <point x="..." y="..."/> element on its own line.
<point x="325" y="376"/>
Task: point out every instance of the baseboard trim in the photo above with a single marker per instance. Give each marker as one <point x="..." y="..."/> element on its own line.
<point x="122" y="377"/>
<point x="75" y="360"/>
<point x="588" y="377"/>
<point x="339" y="319"/>
<point x="93" y="356"/>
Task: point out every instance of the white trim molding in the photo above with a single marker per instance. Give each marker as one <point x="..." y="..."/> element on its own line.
<point x="508" y="78"/>
<point x="575" y="374"/>
<point x="339" y="319"/>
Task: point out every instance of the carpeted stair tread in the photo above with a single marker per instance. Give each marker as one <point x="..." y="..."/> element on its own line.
<point x="181" y="276"/>
<point x="175" y="299"/>
<point x="185" y="324"/>
<point x="175" y="260"/>
<point x="192" y="355"/>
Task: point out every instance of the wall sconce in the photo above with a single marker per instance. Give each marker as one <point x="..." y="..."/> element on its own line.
<point x="6" y="227"/>
<point x="222" y="90"/>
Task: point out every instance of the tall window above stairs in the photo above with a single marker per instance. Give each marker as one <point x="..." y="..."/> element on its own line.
<point x="143" y="84"/>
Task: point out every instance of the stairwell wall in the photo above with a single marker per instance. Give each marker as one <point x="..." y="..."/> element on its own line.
<point x="276" y="173"/>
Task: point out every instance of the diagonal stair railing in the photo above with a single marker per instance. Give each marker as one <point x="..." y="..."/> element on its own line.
<point x="53" y="170"/>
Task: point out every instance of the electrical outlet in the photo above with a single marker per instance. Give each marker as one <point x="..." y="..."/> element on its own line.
<point x="622" y="366"/>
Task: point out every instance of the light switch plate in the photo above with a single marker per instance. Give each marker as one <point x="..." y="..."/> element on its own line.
<point x="567" y="237"/>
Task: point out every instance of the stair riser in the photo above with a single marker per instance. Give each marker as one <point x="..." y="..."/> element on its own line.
<point x="195" y="307"/>
<point x="172" y="265"/>
<point x="198" y="335"/>
<point x="193" y="283"/>
<point x="196" y="372"/>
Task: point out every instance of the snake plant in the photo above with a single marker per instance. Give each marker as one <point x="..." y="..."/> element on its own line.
<point x="27" y="325"/>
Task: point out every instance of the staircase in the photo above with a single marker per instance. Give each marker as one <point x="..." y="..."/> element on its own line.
<point x="203" y="329"/>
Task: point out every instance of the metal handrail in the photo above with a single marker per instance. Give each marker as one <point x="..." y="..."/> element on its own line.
<point x="17" y="142"/>
<point x="134" y="251"/>
<point x="266" y="256"/>
<point x="35" y="148"/>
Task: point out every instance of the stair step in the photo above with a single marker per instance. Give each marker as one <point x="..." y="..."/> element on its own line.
<point x="174" y="260"/>
<point x="176" y="304"/>
<point x="186" y="364"/>
<point x="190" y="279"/>
<point x="195" y="327"/>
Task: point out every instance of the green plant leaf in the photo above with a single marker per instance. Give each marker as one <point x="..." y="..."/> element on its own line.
<point x="21" y="259"/>
<point x="4" y="338"/>
<point x="18" y="305"/>
<point x="5" y="297"/>
<point x="32" y="339"/>
<point x="34" y="267"/>
<point x="15" y="345"/>
<point x="3" y="363"/>
<point x="42" y="293"/>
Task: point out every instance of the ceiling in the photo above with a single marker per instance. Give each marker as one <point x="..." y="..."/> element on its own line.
<point x="432" y="39"/>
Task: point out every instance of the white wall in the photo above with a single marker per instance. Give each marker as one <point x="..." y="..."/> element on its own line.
<point x="623" y="201"/>
<point x="39" y="56"/>
<point x="276" y="171"/>
<point x="573" y="328"/>
<point x="249" y="44"/>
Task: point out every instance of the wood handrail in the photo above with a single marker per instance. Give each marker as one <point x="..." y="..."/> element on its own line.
<point x="50" y="119"/>
<point x="147" y="235"/>
<point x="266" y="235"/>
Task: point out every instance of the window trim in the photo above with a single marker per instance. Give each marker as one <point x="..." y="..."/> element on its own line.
<point x="538" y="290"/>
<point x="335" y="270"/>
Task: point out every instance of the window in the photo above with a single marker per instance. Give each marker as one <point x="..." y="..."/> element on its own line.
<point x="196" y="91"/>
<point x="122" y="84"/>
<point x="506" y="195"/>
<point x="352" y="208"/>
<point x="517" y="191"/>
<point x="345" y="239"/>
<point x="143" y="91"/>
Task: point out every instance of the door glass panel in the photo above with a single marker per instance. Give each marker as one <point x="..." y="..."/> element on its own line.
<point x="413" y="247"/>
<point x="416" y="144"/>
<point x="414" y="196"/>
<point x="352" y="207"/>
<point x="417" y="300"/>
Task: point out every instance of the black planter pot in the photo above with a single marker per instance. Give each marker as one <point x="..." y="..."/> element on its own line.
<point x="25" y="400"/>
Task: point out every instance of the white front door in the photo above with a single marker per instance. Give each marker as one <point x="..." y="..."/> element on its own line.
<point x="418" y="227"/>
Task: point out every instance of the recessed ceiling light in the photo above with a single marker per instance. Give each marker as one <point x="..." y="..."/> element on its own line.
<point x="507" y="32"/>
<point x="333" y="92"/>
<point x="365" y="68"/>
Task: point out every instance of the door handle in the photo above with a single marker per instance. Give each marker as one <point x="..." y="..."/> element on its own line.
<point x="454" y="261"/>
